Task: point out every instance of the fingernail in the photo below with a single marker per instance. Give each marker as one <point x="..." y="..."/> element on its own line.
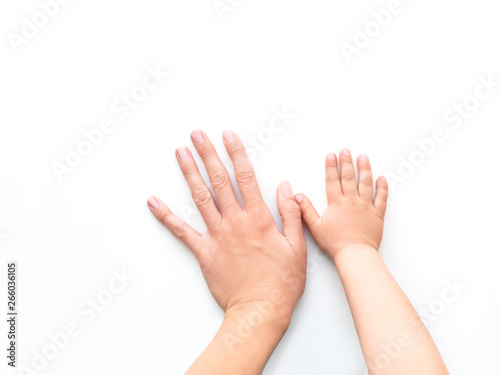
<point x="182" y="154"/>
<point x="287" y="189"/>
<point x="346" y="152"/>
<point x="363" y="158"/>
<point x="197" y="137"/>
<point x="153" y="203"/>
<point x="228" y="136"/>
<point x="330" y="156"/>
<point x="298" y="198"/>
<point x="384" y="179"/>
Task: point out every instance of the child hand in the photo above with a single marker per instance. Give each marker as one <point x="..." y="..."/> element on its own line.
<point x="352" y="215"/>
<point x="351" y="231"/>
<point x="245" y="259"/>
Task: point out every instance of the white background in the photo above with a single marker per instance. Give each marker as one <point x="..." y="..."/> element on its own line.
<point x="67" y="237"/>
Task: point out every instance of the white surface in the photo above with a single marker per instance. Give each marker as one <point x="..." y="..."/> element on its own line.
<point x="68" y="236"/>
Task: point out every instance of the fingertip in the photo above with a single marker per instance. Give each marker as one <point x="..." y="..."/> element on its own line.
<point x="303" y="201"/>
<point x="345" y="156"/>
<point x="331" y="158"/>
<point x="197" y="136"/>
<point x="286" y="189"/>
<point x="174" y="224"/>
<point x="182" y="153"/>
<point x="309" y="213"/>
<point x="348" y="174"/>
<point x="382" y="181"/>
<point x="332" y="179"/>
<point x="153" y="203"/>
<point x="382" y="195"/>
<point x="363" y="159"/>
<point x="229" y="136"/>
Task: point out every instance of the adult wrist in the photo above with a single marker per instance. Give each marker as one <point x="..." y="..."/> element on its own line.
<point x="258" y="315"/>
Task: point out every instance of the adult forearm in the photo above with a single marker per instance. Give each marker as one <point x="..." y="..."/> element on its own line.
<point x="244" y="343"/>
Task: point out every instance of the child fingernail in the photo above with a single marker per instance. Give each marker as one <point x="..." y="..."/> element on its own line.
<point x="346" y="152"/>
<point x="298" y="198"/>
<point x="330" y="156"/>
<point x="363" y="158"/>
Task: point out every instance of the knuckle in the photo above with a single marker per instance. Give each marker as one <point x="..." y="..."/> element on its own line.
<point x="190" y="172"/>
<point x="264" y="224"/>
<point x="205" y="152"/>
<point x="178" y="230"/>
<point x="348" y="178"/>
<point x="291" y="210"/>
<point x="332" y="178"/>
<point x="163" y="217"/>
<point x="239" y="152"/>
<point x="245" y="176"/>
<point x="366" y="183"/>
<point x="265" y="218"/>
<point x="201" y="196"/>
<point x="306" y="209"/>
<point x="219" y="179"/>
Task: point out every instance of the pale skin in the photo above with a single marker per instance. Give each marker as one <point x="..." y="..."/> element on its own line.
<point x="255" y="272"/>
<point x="393" y="338"/>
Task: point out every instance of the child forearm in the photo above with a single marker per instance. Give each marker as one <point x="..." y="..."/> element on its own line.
<point x="393" y="338"/>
